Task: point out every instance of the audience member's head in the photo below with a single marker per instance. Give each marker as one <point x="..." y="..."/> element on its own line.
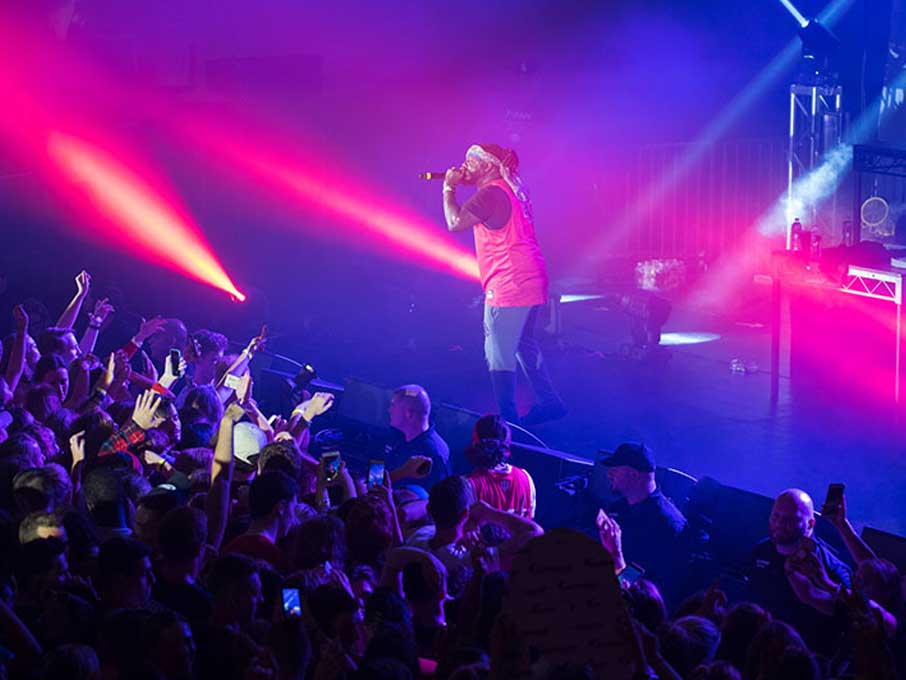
<point x="336" y="613"/>
<point x="688" y="642"/>
<point x="449" y="501"/>
<point x="22" y="448"/>
<point x="369" y="530"/>
<point x="41" y="565"/>
<point x="59" y="341"/>
<point x="492" y="426"/>
<point x="792" y="518"/>
<point x="202" y="405"/>
<point x="410" y="408"/>
<point x="169" y="646"/>
<point x="272" y="499"/>
<point x="740" y="626"/>
<point x="768" y="648"/>
<point x="316" y="541"/>
<point x="235" y="584"/>
<point x="881" y="581"/>
<point x="125" y="577"/>
<point x="646" y="604"/>
<point x="172" y="335"/>
<point x="51" y="370"/>
<point x="182" y="536"/>
<point x="71" y="662"/>
<point x="42" y="489"/>
<point x="631" y="471"/>
<point x="106" y="499"/>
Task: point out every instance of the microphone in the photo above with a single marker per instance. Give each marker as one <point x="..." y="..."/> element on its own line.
<point x="432" y="175"/>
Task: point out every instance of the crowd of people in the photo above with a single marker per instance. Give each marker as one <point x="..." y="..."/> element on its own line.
<point x="156" y="524"/>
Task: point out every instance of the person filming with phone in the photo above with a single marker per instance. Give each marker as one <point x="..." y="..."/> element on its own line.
<point x="651" y="527"/>
<point x="777" y="584"/>
<point x="423" y="457"/>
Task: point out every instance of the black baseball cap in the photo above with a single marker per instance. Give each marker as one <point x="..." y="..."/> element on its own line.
<point x="637" y="456"/>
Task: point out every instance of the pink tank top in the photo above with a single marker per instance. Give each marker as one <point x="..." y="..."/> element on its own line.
<point x="510" y="262"/>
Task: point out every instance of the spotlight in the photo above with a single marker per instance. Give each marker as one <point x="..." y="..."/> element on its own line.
<point x="819" y="47"/>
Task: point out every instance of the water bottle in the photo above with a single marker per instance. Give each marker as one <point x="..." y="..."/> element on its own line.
<point x="816" y="246"/>
<point x="796" y="236"/>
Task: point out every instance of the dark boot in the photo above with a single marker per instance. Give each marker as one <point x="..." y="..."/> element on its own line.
<point x="504" y="383"/>
<point x="550" y="406"/>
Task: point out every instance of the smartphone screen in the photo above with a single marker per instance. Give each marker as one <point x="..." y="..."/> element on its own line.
<point x="375" y="473"/>
<point x="331" y="462"/>
<point x="175" y="358"/>
<point x="292" y="604"/>
<point x="631" y="574"/>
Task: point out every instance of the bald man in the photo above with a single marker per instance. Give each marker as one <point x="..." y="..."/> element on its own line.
<point x="793" y="519"/>
<point x="423" y="457"/>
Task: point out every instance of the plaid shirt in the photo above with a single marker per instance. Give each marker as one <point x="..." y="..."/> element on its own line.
<point x="122" y="440"/>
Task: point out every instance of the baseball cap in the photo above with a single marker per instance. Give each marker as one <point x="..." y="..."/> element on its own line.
<point x="637" y="456"/>
<point x="248" y="440"/>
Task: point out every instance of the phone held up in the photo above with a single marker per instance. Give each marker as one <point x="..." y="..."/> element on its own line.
<point x="175" y="359"/>
<point x="375" y="473"/>
<point x="292" y="603"/>
<point x="833" y="499"/>
<point x="330" y="460"/>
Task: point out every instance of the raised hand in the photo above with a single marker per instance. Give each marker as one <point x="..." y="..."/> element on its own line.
<point x="109" y="372"/>
<point x="122" y="371"/>
<point x="610" y="534"/>
<point x="320" y="403"/>
<point x="77" y="447"/>
<point x="416" y="467"/>
<point x="172" y="373"/>
<point x="20" y="317"/>
<point x="244" y="390"/>
<point x="102" y="309"/>
<point x="148" y="328"/>
<point x="145" y="414"/>
<point x="83" y="283"/>
<point x="257" y="343"/>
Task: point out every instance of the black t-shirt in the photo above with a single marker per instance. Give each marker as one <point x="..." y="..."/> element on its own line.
<point x="188" y="599"/>
<point x="430" y="444"/>
<point x="768" y="586"/>
<point x="652" y="534"/>
<point x="491" y="205"/>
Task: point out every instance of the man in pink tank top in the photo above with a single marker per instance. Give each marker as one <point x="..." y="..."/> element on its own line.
<point x="513" y="274"/>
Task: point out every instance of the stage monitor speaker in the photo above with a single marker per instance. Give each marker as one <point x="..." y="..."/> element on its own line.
<point x="887" y="546"/>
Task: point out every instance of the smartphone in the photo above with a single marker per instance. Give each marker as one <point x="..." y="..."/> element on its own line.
<point x="175" y="359"/>
<point x="292" y="603"/>
<point x="331" y="462"/>
<point x="834" y="497"/>
<point x="232" y="381"/>
<point x="630" y="574"/>
<point x="375" y="473"/>
<point x="424" y="469"/>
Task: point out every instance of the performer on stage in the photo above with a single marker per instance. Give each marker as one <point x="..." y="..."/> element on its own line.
<point x="513" y="274"/>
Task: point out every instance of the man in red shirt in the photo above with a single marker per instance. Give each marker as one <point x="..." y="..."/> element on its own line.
<point x="512" y="270"/>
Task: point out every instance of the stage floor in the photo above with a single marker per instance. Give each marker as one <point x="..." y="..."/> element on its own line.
<point x="695" y="413"/>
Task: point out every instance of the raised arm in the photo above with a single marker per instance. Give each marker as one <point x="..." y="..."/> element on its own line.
<point x="217" y="504"/>
<point x="520" y="529"/>
<point x="858" y="548"/>
<point x="102" y="309"/>
<point x="16" y="365"/>
<point x="71" y="313"/>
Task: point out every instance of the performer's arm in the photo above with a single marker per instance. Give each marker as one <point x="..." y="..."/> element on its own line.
<point x="457" y="218"/>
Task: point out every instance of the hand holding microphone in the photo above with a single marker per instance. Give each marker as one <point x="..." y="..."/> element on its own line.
<point x="453" y="177"/>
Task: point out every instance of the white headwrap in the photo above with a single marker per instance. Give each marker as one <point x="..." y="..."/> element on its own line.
<point x="509" y="175"/>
